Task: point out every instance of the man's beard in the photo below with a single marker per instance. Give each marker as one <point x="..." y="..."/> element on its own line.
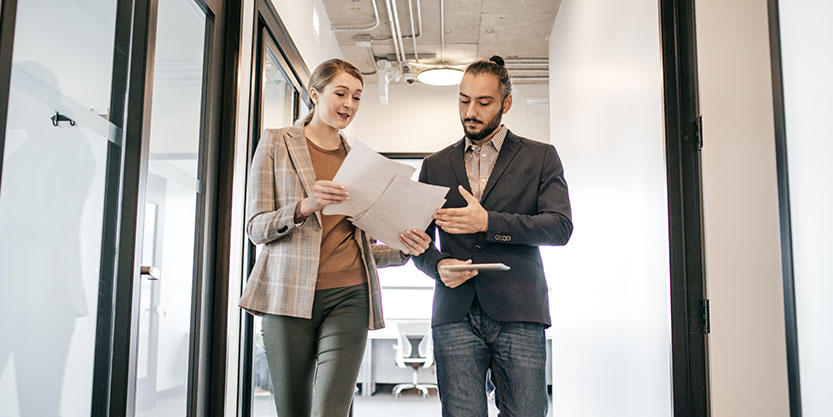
<point x="487" y="130"/>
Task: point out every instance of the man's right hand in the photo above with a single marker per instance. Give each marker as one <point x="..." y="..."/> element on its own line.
<point x="454" y="279"/>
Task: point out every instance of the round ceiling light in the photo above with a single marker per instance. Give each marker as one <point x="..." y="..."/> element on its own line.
<point x="440" y="76"/>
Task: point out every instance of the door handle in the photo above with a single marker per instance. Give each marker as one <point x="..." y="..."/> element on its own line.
<point x="150" y="272"/>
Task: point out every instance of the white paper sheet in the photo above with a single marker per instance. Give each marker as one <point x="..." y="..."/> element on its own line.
<point x="384" y="201"/>
<point x="365" y="175"/>
<point x="405" y="204"/>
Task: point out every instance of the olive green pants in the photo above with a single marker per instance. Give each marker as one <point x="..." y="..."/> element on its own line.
<point x="314" y="362"/>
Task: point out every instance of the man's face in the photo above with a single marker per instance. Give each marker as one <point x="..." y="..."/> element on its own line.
<point x="481" y="107"/>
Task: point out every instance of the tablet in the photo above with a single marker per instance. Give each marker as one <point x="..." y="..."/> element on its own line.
<point x="483" y="267"/>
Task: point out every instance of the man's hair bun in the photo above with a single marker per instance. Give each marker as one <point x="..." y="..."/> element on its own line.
<point x="497" y="60"/>
<point x="495" y="67"/>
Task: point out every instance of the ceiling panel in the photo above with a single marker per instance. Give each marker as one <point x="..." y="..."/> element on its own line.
<point x="474" y="29"/>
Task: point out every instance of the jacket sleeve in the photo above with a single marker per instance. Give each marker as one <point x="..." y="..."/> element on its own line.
<point x="387" y="256"/>
<point x="551" y="225"/>
<point x="428" y="260"/>
<point x="265" y="221"/>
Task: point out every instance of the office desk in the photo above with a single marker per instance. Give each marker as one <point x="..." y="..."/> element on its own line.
<point x="379" y="362"/>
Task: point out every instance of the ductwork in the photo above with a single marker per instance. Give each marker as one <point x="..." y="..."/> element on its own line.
<point x="397" y="41"/>
<point x="363" y="29"/>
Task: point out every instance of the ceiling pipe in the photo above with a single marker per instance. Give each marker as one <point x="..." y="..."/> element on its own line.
<point x="529" y="78"/>
<point x="526" y="60"/>
<point x="442" y="31"/>
<point x="393" y="33"/>
<point x="413" y="35"/>
<point x="527" y="64"/>
<point x="399" y="34"/>
<point x="363" y="29"/>
<point x="413" y="38"/>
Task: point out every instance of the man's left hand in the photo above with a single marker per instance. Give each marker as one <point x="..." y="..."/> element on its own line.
<point x="466" y="220"/>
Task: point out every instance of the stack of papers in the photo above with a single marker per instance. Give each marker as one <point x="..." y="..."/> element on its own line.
<point x="384" y="201"/>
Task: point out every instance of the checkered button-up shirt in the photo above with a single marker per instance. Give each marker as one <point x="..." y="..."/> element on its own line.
<point x="480" y="160"/>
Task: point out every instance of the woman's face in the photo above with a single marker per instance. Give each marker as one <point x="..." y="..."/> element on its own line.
<point x="338" y="102"/>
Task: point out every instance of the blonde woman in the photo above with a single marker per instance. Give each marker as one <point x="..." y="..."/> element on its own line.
<point x="315" y="282"/>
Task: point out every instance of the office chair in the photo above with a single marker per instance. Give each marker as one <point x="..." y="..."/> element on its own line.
<point x="411" y="334"/>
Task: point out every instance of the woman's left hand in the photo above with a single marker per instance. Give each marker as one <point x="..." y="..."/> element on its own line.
<point x="415" y="240"/>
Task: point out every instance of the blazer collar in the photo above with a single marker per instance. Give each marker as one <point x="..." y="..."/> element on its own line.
<point x="457" y="160"/>
<point x="507" y="153"/>
<point x="296" y="145"/>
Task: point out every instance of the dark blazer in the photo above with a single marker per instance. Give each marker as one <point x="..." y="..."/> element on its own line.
<point x="526" y="198"/>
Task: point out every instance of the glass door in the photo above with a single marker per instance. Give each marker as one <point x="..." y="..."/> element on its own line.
<point x="277" y="100"/>
<point x="168" y="242"/>
<point x="52" y="193"/>
<point x="803" y="107"/>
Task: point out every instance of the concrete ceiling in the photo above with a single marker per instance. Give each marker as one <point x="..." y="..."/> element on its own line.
<point x="517" y="30"/>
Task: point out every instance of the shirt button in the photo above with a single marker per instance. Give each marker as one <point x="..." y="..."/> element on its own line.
<point x="477" y="248"/>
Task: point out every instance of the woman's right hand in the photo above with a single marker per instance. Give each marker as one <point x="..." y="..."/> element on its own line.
<point x="324" y="193"/>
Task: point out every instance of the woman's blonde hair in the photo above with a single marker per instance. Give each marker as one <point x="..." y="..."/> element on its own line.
<point x="327" y="70"/>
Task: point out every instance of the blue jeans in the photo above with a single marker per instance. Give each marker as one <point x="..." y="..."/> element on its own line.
<point x="514" y="351"/>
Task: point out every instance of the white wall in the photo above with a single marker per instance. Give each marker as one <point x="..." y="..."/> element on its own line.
<point x="424" y="118"/>
<point x="808" y="87"/>
<point x="743" y="262"/>
<point x="298" y="17"/>
<point x="609" y="295"/>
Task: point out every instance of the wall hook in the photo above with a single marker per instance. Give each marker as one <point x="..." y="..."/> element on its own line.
<point x="58" y="117"/>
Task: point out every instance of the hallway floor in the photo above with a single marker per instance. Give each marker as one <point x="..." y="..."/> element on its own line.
<point x="381" y="404"/>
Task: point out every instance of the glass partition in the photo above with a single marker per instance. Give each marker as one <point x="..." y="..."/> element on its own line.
<point x="51" y="204"/>
<point x="806" y="59"/>
<point x="610" y="286"/>
<point x="169" y="232"/>
<point x="276" y="104"/>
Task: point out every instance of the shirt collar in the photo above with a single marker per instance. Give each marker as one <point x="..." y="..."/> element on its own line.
<point x="497" y="140"/>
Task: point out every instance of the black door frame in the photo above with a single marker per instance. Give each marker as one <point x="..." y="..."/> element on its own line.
<point x="683" y="141"/>
<point x="126" y="170"/>
<point x="782" y="170"/>
<point x="8" y="13"/>
<point x="113" y="392"/>
<point x="268" y="27"/>
<point x="203" y="375"/>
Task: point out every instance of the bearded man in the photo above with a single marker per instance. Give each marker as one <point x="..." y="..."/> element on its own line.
<point x="508" y="197"/>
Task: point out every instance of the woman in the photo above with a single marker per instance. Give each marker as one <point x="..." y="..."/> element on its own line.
<point x="315" y="282"/>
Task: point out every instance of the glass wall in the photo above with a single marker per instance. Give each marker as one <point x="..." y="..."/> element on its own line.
<point x="276" y="104"/>
<point x="51" y="204"/>
<point x="168" y="241"/>
<point x="609" y="287"/>
<point x="806" y="59"/>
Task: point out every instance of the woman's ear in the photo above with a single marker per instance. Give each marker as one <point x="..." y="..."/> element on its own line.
<point x="313" y="95"/>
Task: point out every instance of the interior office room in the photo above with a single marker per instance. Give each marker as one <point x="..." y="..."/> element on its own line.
<point x="694" y="136"/>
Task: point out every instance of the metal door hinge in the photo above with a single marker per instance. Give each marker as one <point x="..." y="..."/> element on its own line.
<point x="707" y="324"/>
<point x="698" y="132"/>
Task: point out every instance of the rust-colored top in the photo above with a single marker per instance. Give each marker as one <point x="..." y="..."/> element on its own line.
<point x="341" y="263"/>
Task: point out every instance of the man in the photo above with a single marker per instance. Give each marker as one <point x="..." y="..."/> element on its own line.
<point x="508" y="196"/>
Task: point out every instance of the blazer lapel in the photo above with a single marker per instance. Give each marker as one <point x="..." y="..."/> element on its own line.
<point x="296" y="145"/>
<point x="457" y="160"/>
<point x="507" y="153"/>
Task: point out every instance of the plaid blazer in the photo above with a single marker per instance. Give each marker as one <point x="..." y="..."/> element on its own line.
<point x="284" y="276"/>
